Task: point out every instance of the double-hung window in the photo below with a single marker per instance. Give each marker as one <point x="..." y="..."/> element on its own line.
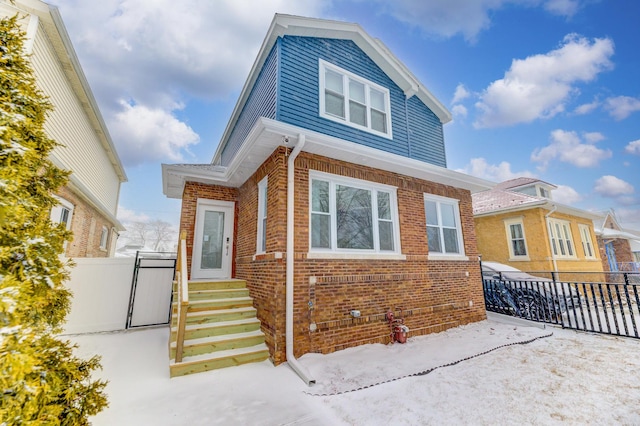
<point x="444" y="233"/>
<point x="104" y="238"/>
<point x="353" y="100"/>
<point x="262" y="216"/>
<point x="349" y="215"/>
<point x="587" y="244"/>
<point x="516" y="239"/>
<point x="561" y="239"/>
<point x="62" y="212"/>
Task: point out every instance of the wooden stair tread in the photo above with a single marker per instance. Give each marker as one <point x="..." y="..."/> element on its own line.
<point x="219" y="311"/>
<point x="221" y="338"/>
<point x="244" y="321"/>
<point x="220" y="354"/>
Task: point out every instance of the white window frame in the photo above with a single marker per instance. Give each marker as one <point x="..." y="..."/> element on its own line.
<point x="561" y="239"/>
<point x="585" y="237"/>
<point x="369" y="85"/>
<point x="58" y="210"/>
<point x="104" y="238"/>
<point x="508" y="223"/>
<point x="261" y="242"/>
<point x="333" y="181"/>
<point x="455" y="203"/>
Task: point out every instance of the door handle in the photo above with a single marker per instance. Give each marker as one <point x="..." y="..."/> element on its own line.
<point x="227" y="254"/>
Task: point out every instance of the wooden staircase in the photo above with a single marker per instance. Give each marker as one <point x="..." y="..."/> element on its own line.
<point x="221" y="328"/>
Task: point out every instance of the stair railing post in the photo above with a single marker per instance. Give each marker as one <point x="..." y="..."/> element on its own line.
<point x="183" y="295"/>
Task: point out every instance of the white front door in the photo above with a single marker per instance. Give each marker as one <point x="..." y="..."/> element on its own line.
<point x="213" y="240"/>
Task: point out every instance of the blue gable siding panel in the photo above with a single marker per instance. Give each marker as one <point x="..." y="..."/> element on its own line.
<point x="298" y="99"/>
<point x="261" y="102"/>
<point x="425" y="133"/>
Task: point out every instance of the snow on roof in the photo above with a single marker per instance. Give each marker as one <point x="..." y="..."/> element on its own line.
<point x="522" y="181"/>
<point x="499" y="199"/>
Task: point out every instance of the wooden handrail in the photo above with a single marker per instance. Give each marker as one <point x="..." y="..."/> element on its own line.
<point x="183" y="294"/>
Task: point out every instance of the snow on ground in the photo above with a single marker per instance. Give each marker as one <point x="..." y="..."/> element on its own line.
<point x="567" y="378"/>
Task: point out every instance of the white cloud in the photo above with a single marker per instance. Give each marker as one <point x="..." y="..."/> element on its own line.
<point x="460" y="94"/>
<point x="540" y="85"/>
<point x="566" y="8"/>
<point x="448" y="18"/>
<point x="125" y="215"/>
<point x="159" y="53"/>
<point x="593" y="137"/>
<point x="633" y="147"/>
<point x="568" y="147"/>
<point x="146" y="134"/>
<point x="611" y="186"/>
<point x="497" y="173"/>
<point x="629" y="217"/>
<point x="459" y="110"/>
<point x="566" y="194"/>
<point x="586" y="108"/>
<point x="620" y="107"/>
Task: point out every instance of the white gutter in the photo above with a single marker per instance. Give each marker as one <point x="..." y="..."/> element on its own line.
<point x="553" y="255"/>
<point x="291" y="359"/>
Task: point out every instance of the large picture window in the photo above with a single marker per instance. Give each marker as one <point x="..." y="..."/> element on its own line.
<point x="516" y="239"/>
<point x="444" y="233"/>
<point x="561" y="239"/>
<point x="352" y="100"/>
<point x="349" y="215"/>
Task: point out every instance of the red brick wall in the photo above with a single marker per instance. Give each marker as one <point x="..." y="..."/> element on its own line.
<point x="434" y="295"/>
<point x="86" y="225"/>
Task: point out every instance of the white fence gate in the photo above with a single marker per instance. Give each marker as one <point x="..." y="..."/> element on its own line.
<point x="105" y="299"/>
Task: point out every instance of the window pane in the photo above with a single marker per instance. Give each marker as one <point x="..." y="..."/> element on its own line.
<point x="433" y="235"/>
<point x="516" y="231"/>
<point x="320" y="196"/>
<point x="333" y="81"/>
<point x="64" y="216"/>
<point x="356" y="91"/>
<point x="377" y="100"/>
<point x="448" y="218"/>
<point x="432" y="212"/>
<point x="263" y="239"/>
<point x="384" y="205"/>
<point x="519" y="248"/>
<point x="358" y="113"/>
<point x="354" y="218"/>
<point x="334" y="104"/>
<point x="320" y="231"/>
<point x="450" y="240"/>
<point x="385" y="231"/>
<point x="378" y="121"/>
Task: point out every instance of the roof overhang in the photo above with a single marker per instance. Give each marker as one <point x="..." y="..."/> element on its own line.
<point x="268" y="134"/>
<point x="310" y="27"/>
<point x="608" y="233"/>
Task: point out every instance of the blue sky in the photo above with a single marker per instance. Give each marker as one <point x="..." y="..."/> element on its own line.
<point x="542" y="88"/>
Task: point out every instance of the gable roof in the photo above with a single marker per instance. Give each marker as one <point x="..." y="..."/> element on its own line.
<point x="283" y="25"/>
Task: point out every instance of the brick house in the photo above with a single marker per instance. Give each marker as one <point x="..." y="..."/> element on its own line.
<point x="329" y="193"/>
<point x="617" y="244"/>
<point x="518" y="223"/>
<point x="89" y="202"/>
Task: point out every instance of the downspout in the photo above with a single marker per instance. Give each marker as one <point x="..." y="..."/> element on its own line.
<point x="553" y="255"/>
<point x="291" y="359"/>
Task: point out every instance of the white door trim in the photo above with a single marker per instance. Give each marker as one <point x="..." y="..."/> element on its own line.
<point x="228" y="208"/>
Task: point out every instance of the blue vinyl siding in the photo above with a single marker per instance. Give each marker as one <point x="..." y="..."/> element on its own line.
<point x="298" y="99"/>
<point x="260" y="103"/>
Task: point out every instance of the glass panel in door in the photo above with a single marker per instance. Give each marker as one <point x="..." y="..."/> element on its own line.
<point x="212" y="240"/>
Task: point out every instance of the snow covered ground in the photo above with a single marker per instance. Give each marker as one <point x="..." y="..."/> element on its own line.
<point x="567" y="378"/>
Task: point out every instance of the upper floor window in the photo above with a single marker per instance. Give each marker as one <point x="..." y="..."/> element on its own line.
<point x="516" y="239"/>
<point x="353" y="100"/>
<point x="262" y="216"/>
<point x="587" y="244"/>
<point x="444" y="233"/>
<point x="561" y="239"/>
<point x="349" y="215"/>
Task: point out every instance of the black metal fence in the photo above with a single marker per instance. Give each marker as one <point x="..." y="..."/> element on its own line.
<point x="609" y="305"/>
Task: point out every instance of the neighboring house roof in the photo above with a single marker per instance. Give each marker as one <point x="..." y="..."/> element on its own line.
<point x="522" y="181"/>
<point x="267" y="135"/>
<point x="615" y="231"/>
<point x="502" y="198"/>
<point x="310" y="27"/>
